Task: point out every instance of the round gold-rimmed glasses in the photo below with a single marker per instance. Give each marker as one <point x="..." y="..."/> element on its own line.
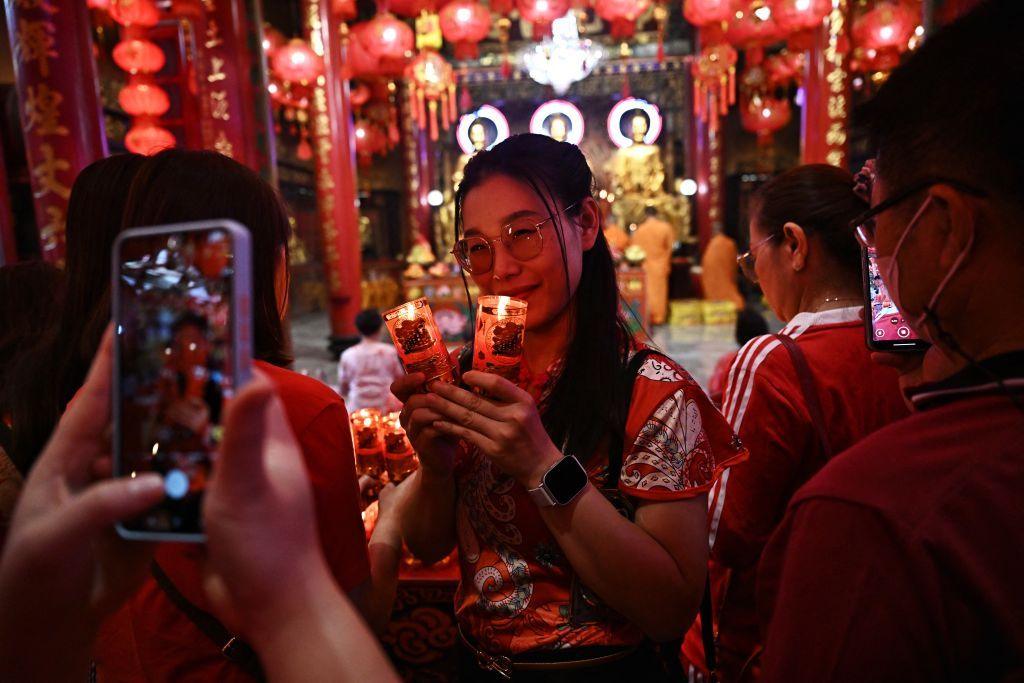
<point x="522" y="237"/>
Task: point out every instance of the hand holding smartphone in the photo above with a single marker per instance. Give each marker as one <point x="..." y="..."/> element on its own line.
<point x="884" y="325"/>
<point x="182" y="348"/>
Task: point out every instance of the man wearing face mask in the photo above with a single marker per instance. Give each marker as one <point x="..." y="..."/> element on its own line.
<point x="901" y="560"/>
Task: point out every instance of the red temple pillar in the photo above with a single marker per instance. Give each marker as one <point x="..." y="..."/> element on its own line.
<point x="826" y="110"/>
<point x="60" y="109"/>
<point x="419" y="172"/>
<point x="334" y="154"/>
<point x="8" y="240"/>
<point x="707" y="159"/>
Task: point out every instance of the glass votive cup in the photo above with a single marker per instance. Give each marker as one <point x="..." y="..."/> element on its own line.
<point x="399" y="457"/>
<point x="418" y="340"/>
<point x="366" y="437"/>
<point x="498" y="341"/>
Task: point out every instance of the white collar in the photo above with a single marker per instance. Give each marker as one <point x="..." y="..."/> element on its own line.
<point x="834" y="316"/>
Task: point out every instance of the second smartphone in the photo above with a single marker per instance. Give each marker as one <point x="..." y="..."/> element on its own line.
<point x="884" y="325"/>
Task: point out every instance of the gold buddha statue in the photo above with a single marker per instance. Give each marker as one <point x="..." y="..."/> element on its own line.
<point x="478" y="138"/>
<point x="559" y="128"/>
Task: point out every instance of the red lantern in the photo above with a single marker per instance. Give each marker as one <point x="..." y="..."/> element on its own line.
<point x="345" y="10"/>
<point x="359" y="95"/>
<point x="783" y="68"/>
<point x="142" y="13"/>
<point x="433" y="87"/>
<point x="705" y="12"/>
<point x="139" y="56"/>
<point x="622" y="14"/>
<point x="792" y="16"/>
<point x="360" y="62"/>
<point x="141" y="98"/>
<point x="502" y="7"/>
<point x="148" y="138"/>
<point x="714" y="82"/>
<point x="764" y="116"/>
<point x="97" y="4"/>
<point x="752" y="25"/>
<point x="272" y="41"/>
<point x="540" y="13"/>
<point x="889" y="25"/>
<point x="387" y="38"/>
<point x="296" y="62"/>
<point x="370" y="140"/>
<point x="465" y="23"/>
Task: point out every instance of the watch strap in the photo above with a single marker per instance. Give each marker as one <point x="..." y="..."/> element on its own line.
<point x="542" y="497"/>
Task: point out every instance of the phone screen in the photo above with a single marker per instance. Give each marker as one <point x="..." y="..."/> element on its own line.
<point x="175" y="365"/>
<point x="887" y="329"/>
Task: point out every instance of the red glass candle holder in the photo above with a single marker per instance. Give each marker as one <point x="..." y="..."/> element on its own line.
<point x="418" y="340"/>
<point x="500" y="329"/>
<point x="368" y="442"/>
<point x="399" y="457"/>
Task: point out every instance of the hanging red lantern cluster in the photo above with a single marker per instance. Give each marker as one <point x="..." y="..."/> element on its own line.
<point x="272" y="41"/>
<point x="783" y="69"/>
<point x="706" y="12"/>
<point x="764" y="115"/>
<point x="465" y="23"/>
<point x="296" y="62"/>
<point x="752" y="25"/>
<point x="432" y="84"/>
<point x="141" y="98"/>
<point x="541" y="13"/>
<point x="622" y="15"/>
<point x="714" y="82"/>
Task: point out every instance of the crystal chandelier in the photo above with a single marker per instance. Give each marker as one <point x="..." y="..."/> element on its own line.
<point x="564" y="58"/>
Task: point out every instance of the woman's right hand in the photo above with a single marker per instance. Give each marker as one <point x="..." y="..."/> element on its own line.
<point x="436" y="450"/>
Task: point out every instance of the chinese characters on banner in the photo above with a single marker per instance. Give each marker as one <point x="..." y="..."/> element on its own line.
<point x="826" y="111"/>
<point x="334" y="155"/>
<point x="60" y="108"/>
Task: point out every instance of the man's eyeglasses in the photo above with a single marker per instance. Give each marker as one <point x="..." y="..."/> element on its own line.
<point x="522" y="237"/>
<point x="864" y="225"/>
<point x="748" y="259"/>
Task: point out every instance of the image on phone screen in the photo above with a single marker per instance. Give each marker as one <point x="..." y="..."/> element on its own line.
<point x="887" y="328"/>
<point x="175" y="366"/>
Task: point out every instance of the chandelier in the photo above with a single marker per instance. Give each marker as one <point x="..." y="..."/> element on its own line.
<point x="562" y="59"/>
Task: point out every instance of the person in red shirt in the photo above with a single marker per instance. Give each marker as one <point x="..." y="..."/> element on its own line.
<point x="808" y="264"/>
<point x="901" y="560"/>
<point x="555" y="581"/>
<point x="152" y="638"/>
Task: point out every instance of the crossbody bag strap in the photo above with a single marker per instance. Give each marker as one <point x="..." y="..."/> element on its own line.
<point x="810" y="391"/>
<point x="234" y="649"/>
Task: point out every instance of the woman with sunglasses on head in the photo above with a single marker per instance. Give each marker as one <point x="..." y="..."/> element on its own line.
<point x="794" y="399"/>
<point x="529" y="478"/>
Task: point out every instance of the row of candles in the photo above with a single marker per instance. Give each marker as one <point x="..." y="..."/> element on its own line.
<point x="381" y="445"/>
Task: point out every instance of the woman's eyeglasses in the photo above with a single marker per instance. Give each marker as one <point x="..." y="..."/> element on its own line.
<point x="864" y="225"/>
<point x="748" y="258"/>
<point x="522" y="237"/>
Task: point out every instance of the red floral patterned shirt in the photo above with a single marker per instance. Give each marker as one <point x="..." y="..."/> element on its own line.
<point x="518" y="592"/>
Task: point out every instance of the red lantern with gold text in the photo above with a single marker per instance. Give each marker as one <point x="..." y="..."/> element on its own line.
<point x="622" y="15"/>
<point x="764" y="116"/>
<point x="540" y="14"/>
<point x="889" y="25"/>
<point x="139" y="56"/>
<point x="433" y="90"/>
<point x="714" y="83"/>
<point x="296" y="62"/>
<point x="143" y="98"/>
<point x="145" y="137"/>
<point x="465" y="23"/>
<point x="141" y="13"/>
<point x="705" y="12"/>
<point x="388" y="39"/>
<point x="370" y="140"/>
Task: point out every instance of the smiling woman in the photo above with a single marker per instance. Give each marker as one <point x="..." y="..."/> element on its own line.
<point x="529" y="477"/>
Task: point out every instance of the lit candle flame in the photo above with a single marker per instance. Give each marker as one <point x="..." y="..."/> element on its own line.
<point x="409" y="311"/>
<point x="503" y="302"/>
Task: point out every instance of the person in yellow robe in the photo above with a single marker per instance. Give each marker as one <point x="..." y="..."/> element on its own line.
<point x="655" y="237"/>
<point x="719" y="273"/>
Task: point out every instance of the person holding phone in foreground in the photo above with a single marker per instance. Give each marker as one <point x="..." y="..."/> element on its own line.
<point x="901" y="560"/>
<point x="64" y="569"/>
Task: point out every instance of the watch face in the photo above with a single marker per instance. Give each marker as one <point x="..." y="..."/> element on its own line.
<point x="565" y="480"/>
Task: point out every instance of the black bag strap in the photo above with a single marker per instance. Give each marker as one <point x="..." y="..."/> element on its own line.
<point x="234" y="649"/>
<point x="616" y="446"/>
<point x="810" y="391"/>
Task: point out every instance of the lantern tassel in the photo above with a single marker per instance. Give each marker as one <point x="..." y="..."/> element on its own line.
<point x="421" y="112"/>
<point x="433" y="120"/>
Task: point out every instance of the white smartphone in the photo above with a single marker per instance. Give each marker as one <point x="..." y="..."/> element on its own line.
<point x="182" y="320"/>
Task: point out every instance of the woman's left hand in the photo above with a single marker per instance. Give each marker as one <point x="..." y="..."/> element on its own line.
<point x="505" y="425"/>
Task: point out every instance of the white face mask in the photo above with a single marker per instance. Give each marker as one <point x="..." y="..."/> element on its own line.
<point x="888" y="267"/>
